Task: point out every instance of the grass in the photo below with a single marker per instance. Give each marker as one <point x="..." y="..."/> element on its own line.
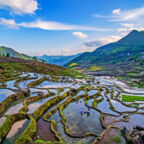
<point x="73" y="65"/>
<point x="116" y="139"/>
<point x="39" y="141"/>
<point x="132" y="98"/>
<point x="11" y="66"/>
<point x="133" y="74"/>
<point x="94" y="68"/>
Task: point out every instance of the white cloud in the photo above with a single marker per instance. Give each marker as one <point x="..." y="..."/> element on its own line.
<point x="80" y="35"/>
<point x="48" y="25"/>
<point x="97" y="15"/>
<point x="128" y="27"/>
<point x="66" y="50"/>
<point x="116" y="11"/>
<point x="127" y="15"/>
<point x="19" y="6"/>
<point x="10" y="23"/>
<point x="102" y="41"/>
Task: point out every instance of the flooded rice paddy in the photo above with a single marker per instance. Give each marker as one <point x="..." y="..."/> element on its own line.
<point x="67" y="110"/>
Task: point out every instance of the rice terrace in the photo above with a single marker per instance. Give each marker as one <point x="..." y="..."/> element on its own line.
<point x="43" y="108"/>
<point x="71" y="72"/>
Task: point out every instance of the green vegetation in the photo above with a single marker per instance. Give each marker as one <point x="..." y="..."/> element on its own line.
<point x="123" y="59"/>
<point x="9" y="52"/>
<point x="128" y="48"/>
<point x="9" y="67"/>
<point x="116" y="139"/>
<point x="37" y="82"/>
<point x="132" y="74"/>
<point x="94" y="68"/>
<point x="73" y="65"/>
<point x="5" y="128"/>
<point x="11" y="99"/>
<point x="39" y="141"/>
<point x="132" y="98"/>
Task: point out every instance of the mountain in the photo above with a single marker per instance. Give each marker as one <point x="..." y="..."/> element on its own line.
<point x="128" y="48"/>
<point x="5" y="51"/>
<point x="58" y="60"/>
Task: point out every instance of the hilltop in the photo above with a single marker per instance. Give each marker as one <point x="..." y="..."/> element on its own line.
<point x="5" y="51"/>
<point x="126" y="49"/>
<point x="123" y="59"/>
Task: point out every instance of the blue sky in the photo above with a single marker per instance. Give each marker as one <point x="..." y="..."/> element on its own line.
<point x="65" y="27"/>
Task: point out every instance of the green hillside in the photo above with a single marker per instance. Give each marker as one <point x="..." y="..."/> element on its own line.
<point x="5" y="51"/>
<point x="128" y="48"/>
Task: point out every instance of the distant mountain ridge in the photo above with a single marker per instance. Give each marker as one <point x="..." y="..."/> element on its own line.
<point x="58" y="60"/>
<point x="129" y="47"/>
<point x="4" y="51"/>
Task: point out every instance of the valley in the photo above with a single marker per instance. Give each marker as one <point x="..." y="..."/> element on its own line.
<point x="46" y="106"/>
<point x="71" y="72"/>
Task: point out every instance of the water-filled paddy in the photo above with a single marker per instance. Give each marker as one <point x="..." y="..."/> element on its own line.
<point x="82" y="110"/>
<point x="4" y="93"/>
<point x="48" y="84"/>
<point x="104" y="106"/>
<point x="82" y="120"/>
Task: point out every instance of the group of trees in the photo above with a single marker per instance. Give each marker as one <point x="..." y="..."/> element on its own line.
<point x="5" y="54"/>
<point x="36" y="59"/>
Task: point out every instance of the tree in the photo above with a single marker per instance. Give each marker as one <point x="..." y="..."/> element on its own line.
<point x="34" y="58"/>
<point x="43" y="61"/>
<point x="7" y="54"/>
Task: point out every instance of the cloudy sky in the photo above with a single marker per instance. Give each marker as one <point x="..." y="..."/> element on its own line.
<point x="65" y="27"/>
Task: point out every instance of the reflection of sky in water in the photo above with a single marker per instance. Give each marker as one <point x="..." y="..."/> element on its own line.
<point x="33" y="106"/>
<point x="16" y="131"/>
<point x="80" y="93"/>
<point x="69" y="140"/>
<point x="92" y="92"/>
<point x="34" y="91"/>
<point x="135" y="120"/>
<point x="121" y="108"/>
<point x="48" y="84"/>
<point x="14" y="109"/>
<point x="24" y="83"/>
<point x="79" y="123"/>
<point x="4" y="93"/>
<point x="10" y="84"/>
<point x="104" y="106"/>
<point x="26" y="74"/>
<point x="65" y="90"/>
<point x="56" y="117"/>
<point x="2" y="120"/>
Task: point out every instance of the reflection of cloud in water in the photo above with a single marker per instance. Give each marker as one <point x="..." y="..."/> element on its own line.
<point x="48" y="84"/>
<point x="135" y="119"/>
<point x="10" y="84"/>
<point x="14" y="109"/>
<point x="34" y="90"/>
<point x="121" y="108"/>
<point x="4" y="93"/>
<point x="33" y="107"/>
<point x="16" y="126"/>
<point x="2" y="120"/>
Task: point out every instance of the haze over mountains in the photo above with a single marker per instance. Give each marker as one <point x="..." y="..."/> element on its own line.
<point x="58" y="60"/>
<point x="128" y="48"/>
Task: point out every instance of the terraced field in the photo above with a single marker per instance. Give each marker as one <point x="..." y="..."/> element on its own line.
<point x="36" y="108"/>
